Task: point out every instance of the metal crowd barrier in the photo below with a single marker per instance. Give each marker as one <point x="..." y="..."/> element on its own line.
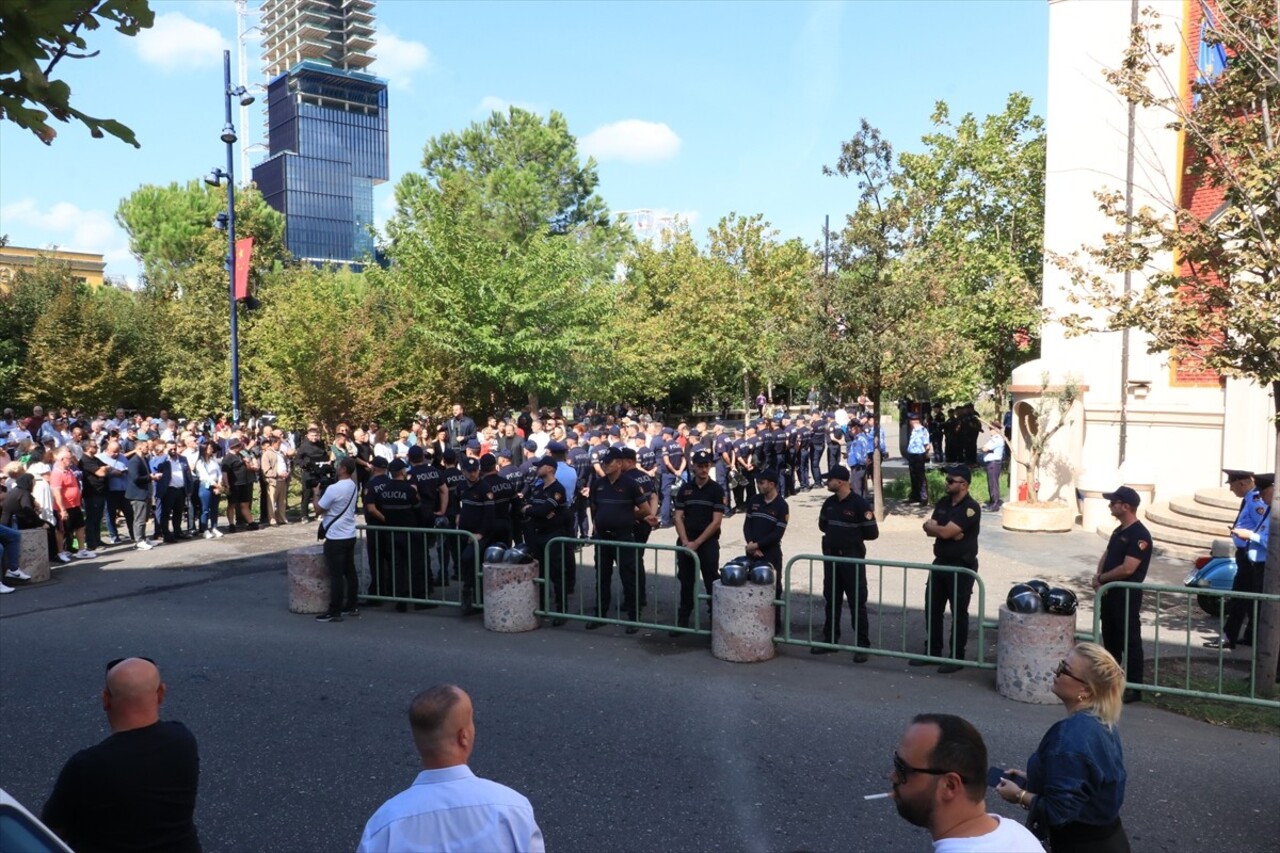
<point x="655" y="573"/>
<point x="1178" y="629"/>
<point x="887" y="639"/>
<point x="398" y="560"/>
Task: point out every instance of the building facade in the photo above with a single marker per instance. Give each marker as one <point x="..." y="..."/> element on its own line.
<point x="85" y="266"/>
<point x="326" y="127"/>
<point x="1164" y="425"/>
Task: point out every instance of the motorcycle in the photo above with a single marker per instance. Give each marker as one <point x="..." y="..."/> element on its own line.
<point x="1216" y="571"/>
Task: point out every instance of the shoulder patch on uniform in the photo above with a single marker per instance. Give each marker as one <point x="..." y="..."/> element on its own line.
<point x="1143" y="544"/>
<point x="1261" y="510"/>
<point x="969" y="512"/>
<point x="869" y="515"/>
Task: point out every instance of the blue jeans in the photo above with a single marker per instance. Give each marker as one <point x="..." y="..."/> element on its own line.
<point x="208" y="508"/>
<point x="10" y="543"/>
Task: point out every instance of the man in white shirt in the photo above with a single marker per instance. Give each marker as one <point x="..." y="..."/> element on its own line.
<point x="337" y="508"/>
<point x="449" y="808"/>
<point x="940" y="783"/>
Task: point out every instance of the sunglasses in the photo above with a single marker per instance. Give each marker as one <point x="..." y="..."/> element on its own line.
<point x="904" y="770"/>
<point x="111" y="664"/>
<point x="1063" y="669"/>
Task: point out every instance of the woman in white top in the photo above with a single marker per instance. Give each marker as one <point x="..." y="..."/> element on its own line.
<point x="208" y="473"/>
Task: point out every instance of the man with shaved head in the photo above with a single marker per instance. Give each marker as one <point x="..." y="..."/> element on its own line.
<point x="448" y="807"/>
<point x="136" y="790"/>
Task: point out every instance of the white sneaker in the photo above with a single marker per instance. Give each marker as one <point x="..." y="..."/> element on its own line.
<point x="18" y="575"/>
<point x="64" y="557"/>
<point x="217" y="534"/>
<point x="208" y="534"/>
<point x="4" y="589"/>
<point x="82" y="554"/>
<point x="112" y="540"/>
<point x="144" y="545"/>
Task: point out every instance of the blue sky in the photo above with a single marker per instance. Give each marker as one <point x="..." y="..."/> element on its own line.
<point x="696" y="109"/>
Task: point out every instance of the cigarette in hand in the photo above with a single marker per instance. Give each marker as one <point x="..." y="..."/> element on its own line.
<point x="876" y="796"/>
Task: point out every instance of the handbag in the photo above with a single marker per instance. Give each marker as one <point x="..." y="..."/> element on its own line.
<point x="323" y="529"/>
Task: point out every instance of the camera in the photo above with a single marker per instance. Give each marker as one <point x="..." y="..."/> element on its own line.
<point x="325" y="475"/>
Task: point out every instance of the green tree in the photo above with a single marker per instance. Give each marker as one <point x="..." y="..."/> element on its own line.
<point x="32" y="33"/>
<point x="186" y="285"/>
<point x="977" y="194"/>
<point x="1221" y="304"/>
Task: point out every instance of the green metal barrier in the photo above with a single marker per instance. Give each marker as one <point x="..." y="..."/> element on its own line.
<point x="401" y="559"/>
<point x="879" y="612"/>
<point x="1217" y="660"/>
<point x="656" y="578"/>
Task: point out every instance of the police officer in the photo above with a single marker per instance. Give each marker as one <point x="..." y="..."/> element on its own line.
<point x="782" y="453"/>
<point x="475" y="508"/>
<point x="580" y="458"/>
<point x="954" y="528"/>
<point x="433" y="493"/>
<point x="836" y="443"/>
<point x="817" y="445"/>
<point x="451" y="546"/>
<point x="397" y="503"/>
<point x="1243" y="486"/>
<point x="501" y="492"/>
<point x="377" y="544"/>
<point x="1253" y="533"/>
<point x="699" y="511"/>
<point x="1127" y="558"/>
<point x="859" y="444"/>
<point x="642" y="526"/>
<point x="616" y="503"/>
<point x="918" y="452"/>
<point x="546" y="515"/>
<point x="765" y="457"/>
<point x="764" y="526"/>
<point x="847" y="523"/>
<point x="722" y="452"/>
<point x="801" y="450"/>
<point x="673" y="467"/>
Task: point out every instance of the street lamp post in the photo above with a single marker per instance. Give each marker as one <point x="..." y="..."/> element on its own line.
<point x="215" y="178"/>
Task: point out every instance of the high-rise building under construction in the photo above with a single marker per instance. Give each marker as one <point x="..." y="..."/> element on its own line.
<point x="326" y="126"/>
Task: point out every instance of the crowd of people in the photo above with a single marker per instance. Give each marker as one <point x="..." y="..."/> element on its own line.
<point x="137" y="789"/>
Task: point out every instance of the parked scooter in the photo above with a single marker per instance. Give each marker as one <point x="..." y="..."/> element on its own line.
<point x="1216" y="571"/>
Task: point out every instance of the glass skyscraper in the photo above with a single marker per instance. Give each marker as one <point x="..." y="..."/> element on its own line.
<point x="326" y="126"/>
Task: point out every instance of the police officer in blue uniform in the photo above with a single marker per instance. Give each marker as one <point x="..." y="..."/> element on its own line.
<point x="847" y="524"/>
<point x="859" y="444"/>
<point x="918" y="452"/>
<point x="699" y="511"/>
<point x="1251" y="518"/>
<point x="673" y="466"/>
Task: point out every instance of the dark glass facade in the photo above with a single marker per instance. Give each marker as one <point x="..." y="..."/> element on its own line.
<point x="327" y="138"/>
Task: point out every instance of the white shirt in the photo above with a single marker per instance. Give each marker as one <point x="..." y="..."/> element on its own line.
<point x="176" y="478"/>
<point x="385" y="450"/>
<point x="993" y="450"/>
<point x="339" y="506"/>
<point x="208" y="471"/>
<point x="452" y="809"/>
<point x="1009" y="837"/>
<point x="541" y="439"/>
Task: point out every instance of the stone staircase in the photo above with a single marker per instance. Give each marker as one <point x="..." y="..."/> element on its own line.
<point x="1185" y="527"/>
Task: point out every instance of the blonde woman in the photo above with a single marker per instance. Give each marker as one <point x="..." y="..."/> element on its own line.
<point x="1074" y="784"/>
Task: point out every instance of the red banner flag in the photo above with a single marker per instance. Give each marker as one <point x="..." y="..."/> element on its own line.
<point x="244" y="251"/>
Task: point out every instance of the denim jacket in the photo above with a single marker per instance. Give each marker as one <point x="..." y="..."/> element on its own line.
<point x="1077" y="774"/>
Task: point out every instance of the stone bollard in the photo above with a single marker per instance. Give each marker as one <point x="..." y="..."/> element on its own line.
<point x="742" y="622"/>
<point x="510" y="597"/>
<point x="33" y="554"/>
<point x="308" y="580"/>
<point x="1029" y="649"/>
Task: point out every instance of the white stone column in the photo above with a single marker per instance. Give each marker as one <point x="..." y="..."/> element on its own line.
<point x="33" y="554"/>
<point x="308" y="580"/>
<point x="510" y="597"/>
<point x="1029" y="649"/>
<point x="742" y="622"/>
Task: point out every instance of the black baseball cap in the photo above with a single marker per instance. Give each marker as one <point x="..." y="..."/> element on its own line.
<point x="1264" y="481"/>
<point x="397" y="465"/>
<point x="380" y="463"/>
<point x="613" y="454"/>
<point x="701" y="457"/>
<point x="961" y="471"/>
<point x="470" y="464"/>
<point x="416" y="453"/>
<point x="839" y="472"/>
<point x="1124" y="495"/>
<point x="768" y="474"/>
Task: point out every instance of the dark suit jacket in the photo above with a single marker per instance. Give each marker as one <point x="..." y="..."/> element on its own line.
<point x="138" y="481"/>
<point x="165" y="470"/>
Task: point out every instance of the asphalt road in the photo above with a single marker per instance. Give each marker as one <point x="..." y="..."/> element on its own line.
<point x="631" y="743"/>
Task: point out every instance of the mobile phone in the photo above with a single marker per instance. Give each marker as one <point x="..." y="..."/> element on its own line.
<point x="994" y="775"/>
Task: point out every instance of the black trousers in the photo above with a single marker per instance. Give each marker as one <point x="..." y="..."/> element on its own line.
<point x="708" y="566"/>
<point x="815" y="464"/>
<point x="556" y="567"/>
<point x="802" y="467"/>
<point x="1240" y="611"/>
<point x="841" y="582"/>
<point x="915" y="464"/>
<point x="340" y="560"/>
<point x="377" y="545"/>
<point x="171" y="509"/>
<point x="308" y="496"/>
<point x="744" y="493"/>
<point x="948" y="588"/>
<point x="581" y="521"/>
<point x="1122" y="625"/>
<point x="628" y="570"/>
<point x="833" y="456"/>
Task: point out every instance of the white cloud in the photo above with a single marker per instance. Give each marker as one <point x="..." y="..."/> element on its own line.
<point x="632" y="141"/>
<point x="398" y="59"/>
<point x="176" y="42"/>
<point x="493" y="104"/>
<point x="66" y="226"/>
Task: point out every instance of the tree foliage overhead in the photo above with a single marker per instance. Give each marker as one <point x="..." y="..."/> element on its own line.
<point x="35" y="33"/>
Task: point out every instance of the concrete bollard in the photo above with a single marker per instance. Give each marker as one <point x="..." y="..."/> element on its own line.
<point x="1029" y="649"/>
<point x="308" y="580"/>
<point x="33" y="554"/>
<point x="510" y="597"/>
<point x="742" y="622"/>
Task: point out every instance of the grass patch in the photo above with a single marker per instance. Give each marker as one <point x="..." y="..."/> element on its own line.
<point x="935" y="479"/>
<point x="1247" y="718"/>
